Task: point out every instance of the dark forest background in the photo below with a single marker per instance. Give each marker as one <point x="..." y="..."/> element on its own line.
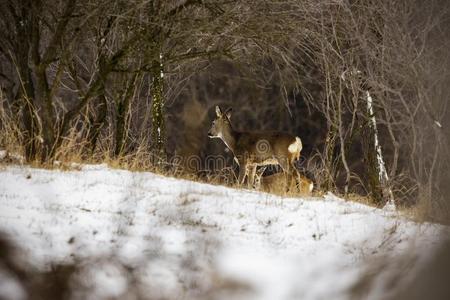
<point x="136" y="83"/>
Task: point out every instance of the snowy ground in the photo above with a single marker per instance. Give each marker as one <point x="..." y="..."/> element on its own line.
<point x="189" y="240"/>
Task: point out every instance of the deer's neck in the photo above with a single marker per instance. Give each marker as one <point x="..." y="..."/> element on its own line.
<point x="229" y="138"/>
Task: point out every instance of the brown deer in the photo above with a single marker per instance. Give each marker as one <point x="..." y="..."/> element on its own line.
<point x="276" y="183"/>
<point x="253" y="149"/>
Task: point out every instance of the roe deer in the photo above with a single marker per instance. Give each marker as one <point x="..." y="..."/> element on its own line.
<point x="253" y="149"/>
<point x="275" y="183"/>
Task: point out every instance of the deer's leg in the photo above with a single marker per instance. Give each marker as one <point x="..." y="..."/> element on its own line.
<point x="295" y="175"/>
<point x="290" y="171"/>
<point x="242" y="172"/>
<point x="251" y="176"/>
<point x="286" y="167"/>
<point x="258" y="177"/>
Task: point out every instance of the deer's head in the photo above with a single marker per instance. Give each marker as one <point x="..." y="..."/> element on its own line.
<point x="220" y="124"/>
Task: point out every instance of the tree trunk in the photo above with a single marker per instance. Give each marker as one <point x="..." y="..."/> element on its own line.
<point x="370" y="160"/>
<point x="46" y="114"/>
<point x="329" y="157"/>
<point x="383" y="192"/>
<point x="158" y="124"/>
<point x="29" y="121"/>
<point x="97" y="121"/>
<point x="123" y="113"/>
<point x="26" y="92"/>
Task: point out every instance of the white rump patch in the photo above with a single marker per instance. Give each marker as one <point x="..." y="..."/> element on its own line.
<point x="296" y="146"/>
<point x="311" y="187"/>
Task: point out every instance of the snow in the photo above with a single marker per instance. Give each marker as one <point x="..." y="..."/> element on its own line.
<point x="186" y="237"/>
<point x="438" y="124"/>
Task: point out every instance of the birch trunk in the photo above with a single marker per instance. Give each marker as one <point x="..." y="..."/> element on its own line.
<point x="382" y="173"/>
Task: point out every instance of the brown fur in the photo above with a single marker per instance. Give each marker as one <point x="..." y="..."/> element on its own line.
<point x="253" y="149"/>
<point x="276" y="183"/>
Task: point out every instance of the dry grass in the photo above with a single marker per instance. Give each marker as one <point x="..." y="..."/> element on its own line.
<point x="366" y="200"/>
<point x="11" y="137"/>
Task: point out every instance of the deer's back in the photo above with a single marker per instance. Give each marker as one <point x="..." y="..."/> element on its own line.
<point x="261" y="146"/>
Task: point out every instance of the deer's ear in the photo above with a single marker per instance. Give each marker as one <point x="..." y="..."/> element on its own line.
<point x="228" y="113"/>
<point x="218" y="111"/>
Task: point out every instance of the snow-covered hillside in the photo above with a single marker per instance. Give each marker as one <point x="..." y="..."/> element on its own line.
<point x="189" y="239"/>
